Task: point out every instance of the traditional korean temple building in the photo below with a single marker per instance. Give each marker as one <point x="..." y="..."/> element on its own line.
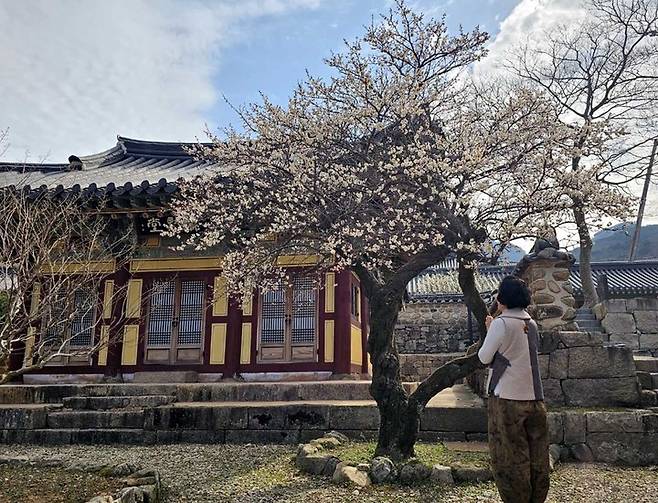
<point x="187" y="324"/>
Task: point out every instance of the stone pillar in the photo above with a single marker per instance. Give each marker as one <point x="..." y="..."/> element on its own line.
<point x="546" y="273"/>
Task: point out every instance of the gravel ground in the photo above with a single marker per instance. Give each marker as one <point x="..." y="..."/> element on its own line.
<point x="264" y="474"/>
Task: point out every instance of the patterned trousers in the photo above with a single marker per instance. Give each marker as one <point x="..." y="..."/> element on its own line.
<point x="518" y="445"/>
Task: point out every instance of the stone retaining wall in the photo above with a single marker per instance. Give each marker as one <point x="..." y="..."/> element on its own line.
<point x="628" y="438"/>
<point x="434" y="328"/>
<point x="632" y="322"/>
<point x="577" y="370"/>
<point x="418" y="367"/>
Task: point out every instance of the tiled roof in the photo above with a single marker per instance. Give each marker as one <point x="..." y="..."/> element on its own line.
<point x="134" y="162"/>
<point x="439" y="283"/>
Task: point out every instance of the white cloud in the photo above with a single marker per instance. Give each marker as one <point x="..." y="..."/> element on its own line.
<point x="76" y="73"/>
<point x="528" y="19"/>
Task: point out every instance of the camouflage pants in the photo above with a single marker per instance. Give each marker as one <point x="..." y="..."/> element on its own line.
<point x="518" y="444"/>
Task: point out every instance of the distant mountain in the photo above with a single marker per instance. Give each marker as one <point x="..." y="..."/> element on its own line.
<point x="511" y="254"/>
<point x="614" y="242"/>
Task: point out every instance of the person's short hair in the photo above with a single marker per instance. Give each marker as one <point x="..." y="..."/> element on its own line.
<point x="513" y="292"/>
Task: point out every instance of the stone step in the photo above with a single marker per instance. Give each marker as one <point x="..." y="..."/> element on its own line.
<point x="646" y="363"/>
<point x="196" y="392"/>
<point x="587" y="324"/>
<point x="95" y="419"/>
<point x="116" y="402"/>
<point x="61" y="436"/>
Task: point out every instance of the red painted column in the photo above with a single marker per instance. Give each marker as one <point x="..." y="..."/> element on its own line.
<point x="342" y="350"/>
<point x="233" y="335"/>
<point x="117" y="322"/>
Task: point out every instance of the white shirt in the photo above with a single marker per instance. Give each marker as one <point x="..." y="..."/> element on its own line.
<point x="507" y="336"/>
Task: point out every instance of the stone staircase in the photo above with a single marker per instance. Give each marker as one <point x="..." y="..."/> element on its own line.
<point x="647" y="375"/>
<point x="231" y="412"/>
<point x="587" y="322"/>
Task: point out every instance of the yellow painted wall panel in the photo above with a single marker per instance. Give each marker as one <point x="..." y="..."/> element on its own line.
<point x="220" y="297"/>
<point x="329" y="341"/>
<point x="105" y="340"/>
<point x="130" y="340"/>
<point x="107" y="299"/>
<point x="175" y="264"/>
<point x="330" y="292"/>
<point x="297" y="260"/>
<point x="218" y="344"/>
<point x="245" y="345"/>
<point x="134" y="298"/>
<point x="356" y="352"/>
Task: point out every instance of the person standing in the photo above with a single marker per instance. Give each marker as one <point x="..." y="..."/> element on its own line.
<point x="518" y="430"/>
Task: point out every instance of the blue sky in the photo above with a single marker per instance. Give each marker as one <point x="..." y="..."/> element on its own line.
<point x="76" y="73"/>
<point x="274" y="53"/>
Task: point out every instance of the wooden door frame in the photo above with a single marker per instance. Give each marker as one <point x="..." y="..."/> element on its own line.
<point x="287" y="328"/>
<point x="173" y="347"/>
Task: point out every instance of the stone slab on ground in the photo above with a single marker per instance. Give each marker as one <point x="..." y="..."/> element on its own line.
<point x="467" y="446"/>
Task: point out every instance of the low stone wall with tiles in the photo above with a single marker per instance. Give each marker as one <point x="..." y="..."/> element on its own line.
<point x="620" y="437"/>
<point x="577" y="370"/>
<point x="632" y="322"/>
<point x="434" y="328"/>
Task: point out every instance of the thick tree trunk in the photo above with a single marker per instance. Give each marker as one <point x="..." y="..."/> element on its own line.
<point x="585" y="261"/>
<point x="399" y="412"/>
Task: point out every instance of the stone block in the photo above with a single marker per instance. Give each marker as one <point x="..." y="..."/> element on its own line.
<point x="625" y="422"/>
<point x="646" y="321"/>
<point x="600" y="311"/>
<point x="648" y="341"/>
<point x="648" y="398"/>
<point x="579" y="339"/>
<point x="553" y="392"/>
<point x="650" y="422"/>
<point x="582" y="452"/>
<point x="615" y="306"/>
<point x="642" y="304"/>
<point x="575" y="427"/>
<point x="618" y="323"/>
<point x="543" y="365"/>
<point x="459" y="419"/>
<point x="555" y="427"/>
<point x="442" y="475"/>
<point x="636" y="449"/>
<point x="645" y="380"/>
<point x="537" y="285"/>
<point x="23" y="418"/>
<point x="616" y="391"/>
<point x="559" y="364"/>
<point x="561" y="275"/>
<point x="354" y="417"/>
<point x="543" y="298"/>
<point x="345" y="474"/>
<point x="631" y="341"/>
<point x="588" y="362"/>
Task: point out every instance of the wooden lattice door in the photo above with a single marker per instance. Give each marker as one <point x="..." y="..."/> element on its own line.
<point x="175" y="327"/>
<point x="288" y="322"/>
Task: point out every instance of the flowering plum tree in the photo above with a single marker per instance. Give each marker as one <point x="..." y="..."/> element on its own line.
<point x="387" y="167"/>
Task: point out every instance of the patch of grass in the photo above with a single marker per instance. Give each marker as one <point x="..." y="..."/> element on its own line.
<point x="428" y="453"/>
<point x="30" y="484"/>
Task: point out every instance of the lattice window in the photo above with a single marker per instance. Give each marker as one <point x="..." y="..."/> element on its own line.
<point x="191" y="312"/>
<point x="273" y="316"/>
<point x="303" y="310"/>
<point x="355" y="301"/>
<point x="161" y="313"/>
<point x="82" y="320"/>
<point x="55" y="321"/>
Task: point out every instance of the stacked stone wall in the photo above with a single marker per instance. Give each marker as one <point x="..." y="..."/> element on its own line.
<point x="418" y="367"/>
<point x="632" y="322"/>
<point x="434" y="328"/>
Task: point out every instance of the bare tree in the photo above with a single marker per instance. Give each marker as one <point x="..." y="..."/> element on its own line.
<point x="56" y="250"/>
<point x="387" y="168"/>
<point x="603" y="76"/>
